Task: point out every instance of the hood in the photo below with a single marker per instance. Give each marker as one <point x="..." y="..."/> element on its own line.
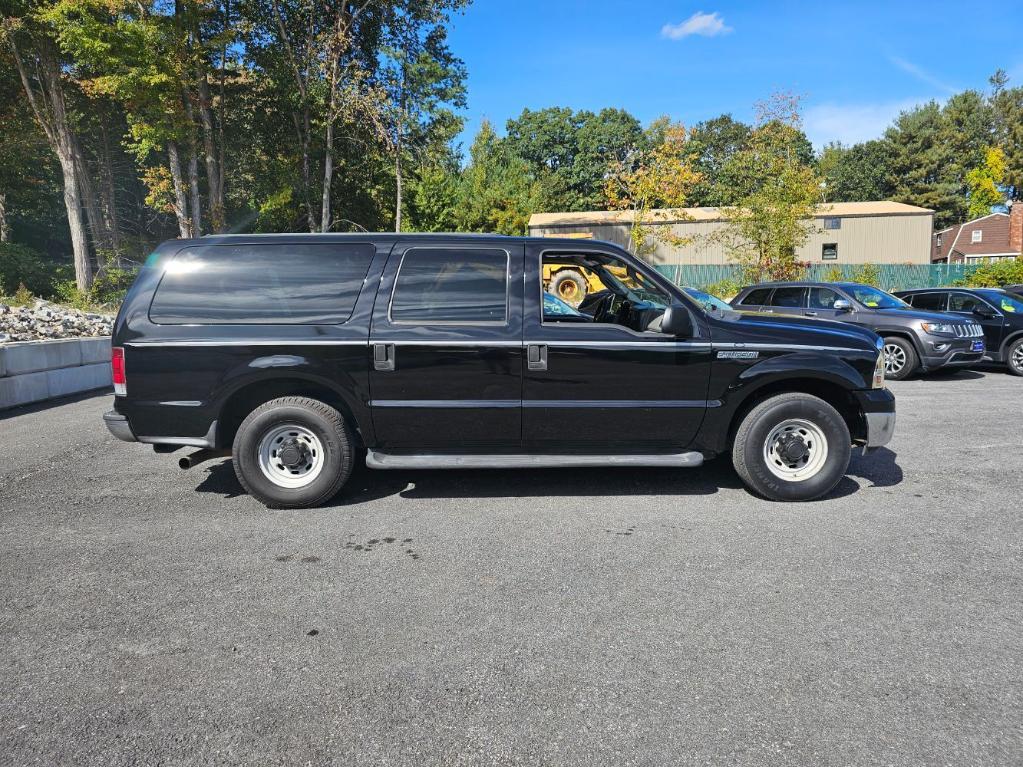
<point x="757" y="327"/>
<point x="923" y="316"/>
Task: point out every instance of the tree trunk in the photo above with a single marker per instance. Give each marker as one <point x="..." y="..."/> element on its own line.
<point x="193" y="185"/>
<point x="58" y="132"/>
<point x="108" y="198"/>
<point x="5" y="226"/>
<point x="50" y="70"/>
<point x="213" y="172"/>
<point x="97" y="225"/>
<point x="180" y="198"/>
<point x="307" y="175"/>
<point x="193" y="167"/>
<point x="328" y="160"/>
<point x="397" y="179"/>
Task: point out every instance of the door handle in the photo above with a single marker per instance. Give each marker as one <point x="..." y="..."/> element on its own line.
<point x="811" y="314"/>
<point x="383" y="356"/>
<point x="536" y="356"/>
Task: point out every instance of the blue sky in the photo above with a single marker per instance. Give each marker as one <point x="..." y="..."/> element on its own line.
<point x="856" y="65"/>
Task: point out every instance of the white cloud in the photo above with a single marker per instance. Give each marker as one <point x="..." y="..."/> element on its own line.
<point x="851" y="123"/>
<point x="700" y="23"/>
<point x="922" y="74"/>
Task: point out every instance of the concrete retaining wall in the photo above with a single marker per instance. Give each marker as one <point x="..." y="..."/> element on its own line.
<point x="35" y="371"/>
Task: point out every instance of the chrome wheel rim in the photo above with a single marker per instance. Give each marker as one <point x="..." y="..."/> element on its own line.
<point x="1017" y="358"/>
<point x="290" y="455"/>
<point x="894" y="358"/>
<point x="796" y="450"/>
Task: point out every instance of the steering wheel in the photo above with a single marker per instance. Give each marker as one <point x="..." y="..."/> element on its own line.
<point x="624" y="312"/>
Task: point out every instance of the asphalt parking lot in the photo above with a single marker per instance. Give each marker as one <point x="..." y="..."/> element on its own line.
<point x="151" y="615"/>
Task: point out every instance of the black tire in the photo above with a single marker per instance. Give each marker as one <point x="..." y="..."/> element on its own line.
<point x="572" y="282"/>
<point x="324" y="422"/>
<point x="903" y="355"/>
<point x="748" y="449"/>
<point x="1014" y="357"/>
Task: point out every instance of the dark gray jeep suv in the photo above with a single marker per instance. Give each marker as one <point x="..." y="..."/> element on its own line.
<point x="913" y="339"/>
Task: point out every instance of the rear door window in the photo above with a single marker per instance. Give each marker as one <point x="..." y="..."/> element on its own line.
<point x="756" y="297"/>
<point x="932" y="302"/>
<point x="443" y="286"/>
<point x="789" y="297"/>
<point x="299" y="283"/>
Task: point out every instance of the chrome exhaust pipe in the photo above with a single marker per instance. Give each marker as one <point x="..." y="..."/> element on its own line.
<point x="189" y="461"/>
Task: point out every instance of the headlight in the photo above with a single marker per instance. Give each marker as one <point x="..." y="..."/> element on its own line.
<point x="878" y="382"/>
<point x="938" y="329"/>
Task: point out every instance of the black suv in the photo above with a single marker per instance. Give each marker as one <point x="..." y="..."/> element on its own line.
<point x="296" y="353"/>
<point x="999" y="312"/>
<point x="913" y="340"/>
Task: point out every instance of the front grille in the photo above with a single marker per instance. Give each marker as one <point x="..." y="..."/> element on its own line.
<point x="970" y="330"/>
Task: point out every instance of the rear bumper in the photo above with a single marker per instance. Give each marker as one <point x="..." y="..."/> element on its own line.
<point x="878" y="408"/>
<point x="118" y="425"/>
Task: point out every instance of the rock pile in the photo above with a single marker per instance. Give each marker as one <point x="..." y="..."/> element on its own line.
<point x="45" y="320"/>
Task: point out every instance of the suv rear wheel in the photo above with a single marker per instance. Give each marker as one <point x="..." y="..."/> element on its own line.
<point x="792" y="447"/>
<point x="900" y="360"/>
<point x="293" y="453"/>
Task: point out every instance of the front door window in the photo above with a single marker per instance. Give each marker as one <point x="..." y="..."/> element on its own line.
<point x="599" y="289"/>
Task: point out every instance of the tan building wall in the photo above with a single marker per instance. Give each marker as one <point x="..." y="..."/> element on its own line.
<point x="872" y="232"/>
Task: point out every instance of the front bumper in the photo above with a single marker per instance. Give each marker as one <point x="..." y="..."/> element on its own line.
<point x="118" y="425"/>
<point x="957" y="352"/>
<point x="878" y="408"/>
<point x="880" y="428"/>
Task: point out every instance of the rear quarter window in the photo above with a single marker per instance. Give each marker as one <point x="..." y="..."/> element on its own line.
<point x="314" y="283"/>
<point x="756" y="297"/>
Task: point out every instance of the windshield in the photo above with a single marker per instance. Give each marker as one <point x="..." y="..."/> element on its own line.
<point x="876" y="299"/>
<point x="636" y="285"/>
<point x="1003" y="301"/>
<point x="707" y="300"/>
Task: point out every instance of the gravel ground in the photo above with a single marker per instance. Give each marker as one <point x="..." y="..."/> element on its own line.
<point x="547" y="617"/>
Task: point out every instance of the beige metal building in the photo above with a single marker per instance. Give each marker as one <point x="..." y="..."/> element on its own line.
<point x="843" y="233"/>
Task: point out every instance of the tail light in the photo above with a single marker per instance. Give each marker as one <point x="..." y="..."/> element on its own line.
<point x="117" y="371"/>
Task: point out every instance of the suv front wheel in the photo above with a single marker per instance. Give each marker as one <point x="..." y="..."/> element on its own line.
<point x="293" y="453"/>
<point x="792" y="447"/>
<point x="900" y="360"/>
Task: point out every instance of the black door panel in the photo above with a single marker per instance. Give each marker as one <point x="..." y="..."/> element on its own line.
<point x="605" y="388"/>
<point x="447" y="371"/>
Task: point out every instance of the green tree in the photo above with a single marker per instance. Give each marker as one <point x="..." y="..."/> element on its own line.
<point x="426" y="83"/>
<point x="569" y="152"/>
<point x="858" y="172"/>
<point x="714" y="143"/>
<point x="932" y="150"/>
<point x="776" y="191"/>
<point x="1007" y="113"/>
<point x="497" y="192"/>
<point x="652" y="185"/>
<point x="985" y="183"/>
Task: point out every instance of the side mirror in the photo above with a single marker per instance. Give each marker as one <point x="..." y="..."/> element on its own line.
<point x="841" y="305"/>
<point x="984" y="311"/>
<point x="676" y="321"/>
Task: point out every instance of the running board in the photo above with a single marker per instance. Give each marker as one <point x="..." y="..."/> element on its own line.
<point x="376" y="459"/>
